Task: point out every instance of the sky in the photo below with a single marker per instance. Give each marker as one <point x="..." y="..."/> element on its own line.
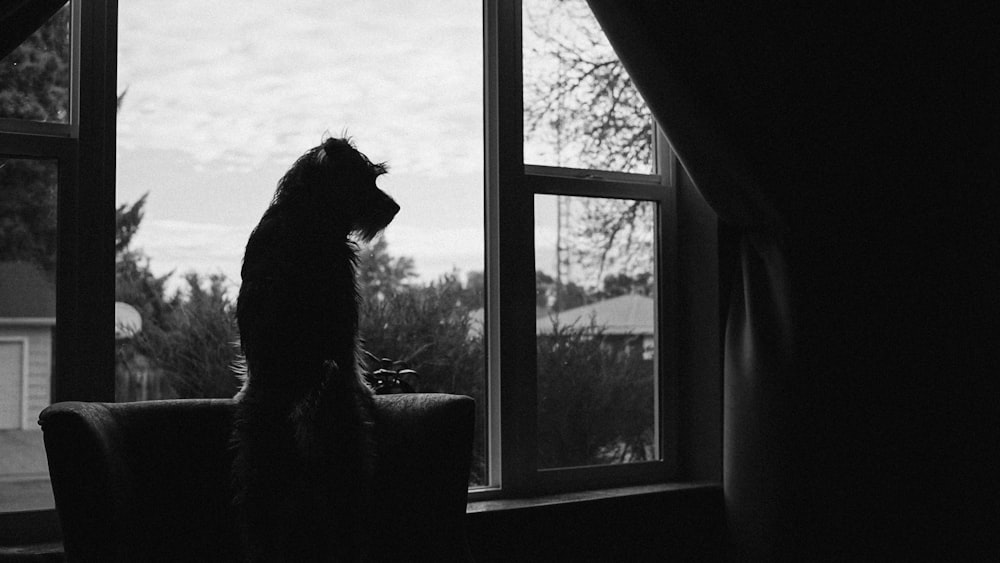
<point x="222" y="96"/>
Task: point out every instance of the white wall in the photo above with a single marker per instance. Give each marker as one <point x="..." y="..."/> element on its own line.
<point x="23" y="399"/>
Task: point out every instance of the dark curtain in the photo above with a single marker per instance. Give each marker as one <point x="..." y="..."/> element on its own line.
<point x="854" y="149"/>
<point x="20" y="18"/>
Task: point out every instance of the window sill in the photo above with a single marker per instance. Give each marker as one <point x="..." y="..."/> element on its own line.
<point x="675" y="521"/>
<point x="522" y="528"/>
<point x="47" y="515"/>
<point x="28" y="528"/>
<point x="495" y="505"/>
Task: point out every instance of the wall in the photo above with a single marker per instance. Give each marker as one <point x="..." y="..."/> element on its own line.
<point x="39" y="367"/>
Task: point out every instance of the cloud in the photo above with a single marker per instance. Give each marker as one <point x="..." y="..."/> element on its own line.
<point x="234" y="83"/>
<point x="183" y="246"/>
<point x="180" y="247"/>
<point x="438" y="251"/>
<point x="224" y="95"/>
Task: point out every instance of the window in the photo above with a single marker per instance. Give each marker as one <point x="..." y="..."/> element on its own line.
<point x="582" y="281"/>
<point x="53" y="235"/>
<point x="36" y="97"/>
<point x="217" y="102"/>
<point x="181" y="169"/>
<point x="540" y="213"/>
<point x="596" y="331"/>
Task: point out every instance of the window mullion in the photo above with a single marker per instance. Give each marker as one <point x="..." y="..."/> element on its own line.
<point x="592" y="175"/>
<point x="34" y="146"/>
<point x="511" y="321"/>
<point x="555" y="185"/>
<point x="85" y="353"/>
<point x="667" y="364"/>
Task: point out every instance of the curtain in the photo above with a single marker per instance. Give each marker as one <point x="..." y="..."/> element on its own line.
<point x="20" y="18"/>
<point x="855" y="148"/>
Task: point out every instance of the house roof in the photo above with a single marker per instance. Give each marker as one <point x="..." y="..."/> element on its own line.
<point x="625" y="314"/>
<point x="26" y="292"/>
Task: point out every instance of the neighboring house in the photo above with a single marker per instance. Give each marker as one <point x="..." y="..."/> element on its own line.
<point x="27" y="323"/>
<point x="623" y="319"/>
<point x="477" y="320"/>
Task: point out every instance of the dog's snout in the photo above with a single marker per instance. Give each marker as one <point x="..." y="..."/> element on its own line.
<point x="380" y="211"/>
<point x="388" y="204"/>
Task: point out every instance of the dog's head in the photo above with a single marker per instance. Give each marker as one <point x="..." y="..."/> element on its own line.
<point x="336" y="183"/>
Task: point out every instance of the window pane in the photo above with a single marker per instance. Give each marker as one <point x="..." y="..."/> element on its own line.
<point x="596" y="331"/>
<point x="27" y="326"/>
<point x="580" y="107"/>
<point x="220" y="98"/>
<point x="35" y="77"/>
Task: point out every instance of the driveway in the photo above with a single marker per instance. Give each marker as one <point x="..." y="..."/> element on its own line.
<point x="24" y="471"/>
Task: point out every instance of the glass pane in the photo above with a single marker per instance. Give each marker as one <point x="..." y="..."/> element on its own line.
<point x="35" y="76"/>
<point x="580" y="107"/>
<point x="27" y="326"/>
<point x="596" y="331"/>
<point x="219" y="100"/>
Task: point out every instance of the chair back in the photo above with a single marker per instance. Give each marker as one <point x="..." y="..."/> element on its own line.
<point x="150" y="481"/>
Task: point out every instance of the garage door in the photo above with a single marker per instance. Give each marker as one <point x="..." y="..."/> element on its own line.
<point x="11" y="383"/>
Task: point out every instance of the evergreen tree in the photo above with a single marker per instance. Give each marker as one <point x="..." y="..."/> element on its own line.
<point x="34" y="85"/>
<point x="135" y="283"/>
<point x="595" y="398"/>
<point x="35" y="77"/>
<point x="28" y="212"/>
<point x="188" y="340"/>
<point x="381" y="275"/>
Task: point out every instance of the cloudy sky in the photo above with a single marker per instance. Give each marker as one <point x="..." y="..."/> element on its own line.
<point x="222" y="96"/>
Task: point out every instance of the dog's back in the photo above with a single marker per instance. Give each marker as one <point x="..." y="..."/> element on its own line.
<point x="301" y="428"/>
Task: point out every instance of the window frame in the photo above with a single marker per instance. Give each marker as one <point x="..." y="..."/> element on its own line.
<point x="84" y="152"/>
<point x="86" y="166"/>
<point x="85" y="276"/>
<point x="511" y="187"/>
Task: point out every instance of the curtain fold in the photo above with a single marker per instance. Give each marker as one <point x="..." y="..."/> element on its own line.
<point x="20" y="18"/>
<point x="854" y="145"/>
<point x="654" y="44"/>
<point x="758" y="397"/>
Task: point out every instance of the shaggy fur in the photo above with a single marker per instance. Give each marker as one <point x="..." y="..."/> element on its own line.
<point x="303" y="455"/>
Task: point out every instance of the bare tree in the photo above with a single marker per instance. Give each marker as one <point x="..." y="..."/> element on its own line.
<point x="580" y="106"/>
<point x="581" y="110"/>
<point x="612" y="236"/>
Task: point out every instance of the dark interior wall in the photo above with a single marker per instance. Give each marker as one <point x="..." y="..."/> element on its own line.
<point x="678" y="525"/>
<point x="699" y="354"/>
<point x="855" y="147"/>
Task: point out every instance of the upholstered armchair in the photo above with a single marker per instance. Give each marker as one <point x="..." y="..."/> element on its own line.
<point x="150" y="481"/>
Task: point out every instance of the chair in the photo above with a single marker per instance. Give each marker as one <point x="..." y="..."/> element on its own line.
<point x="150" y="481"/>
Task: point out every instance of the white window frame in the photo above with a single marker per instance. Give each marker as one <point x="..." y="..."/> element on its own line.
<point x="511" y="187"/>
